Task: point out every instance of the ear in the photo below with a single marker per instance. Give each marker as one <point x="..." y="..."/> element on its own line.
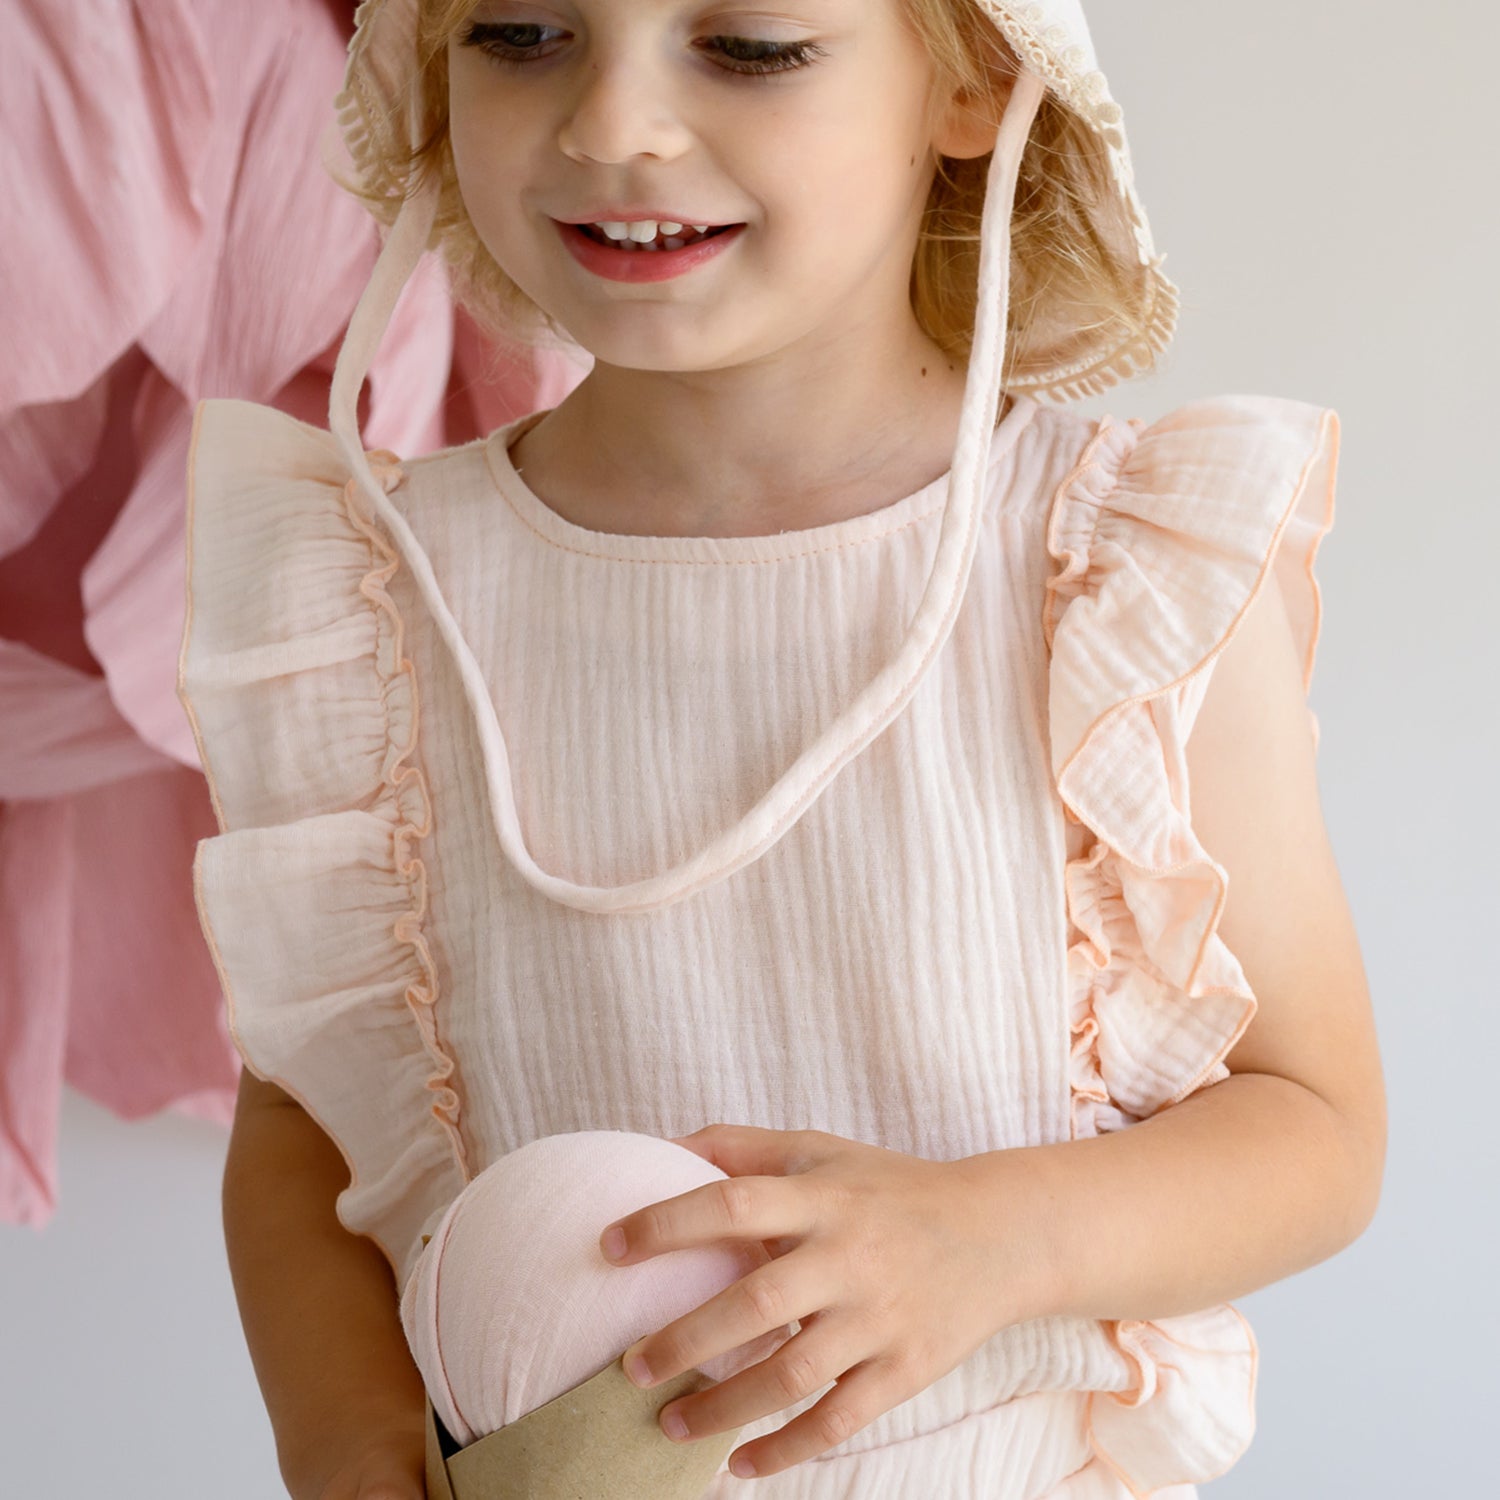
<point x="966" y="126"/>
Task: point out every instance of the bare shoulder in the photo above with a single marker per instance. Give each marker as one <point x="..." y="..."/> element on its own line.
<point x="1255" y="806"/>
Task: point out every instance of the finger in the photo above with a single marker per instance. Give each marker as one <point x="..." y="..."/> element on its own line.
<point x="820" y="1353"/>
<point x="860" y="1396"/>
<point x="742" y="1150"/>
<point x="738" y="1208"/>
<point x="762" y="1302"/>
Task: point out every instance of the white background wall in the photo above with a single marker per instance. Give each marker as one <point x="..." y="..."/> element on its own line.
<point x="1322" y="178"/>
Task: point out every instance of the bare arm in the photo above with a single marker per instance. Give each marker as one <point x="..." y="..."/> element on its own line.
<point x="1279" y="1166"/>
<point x="320" y="1312"/>
<point x="1244" y="1183"/>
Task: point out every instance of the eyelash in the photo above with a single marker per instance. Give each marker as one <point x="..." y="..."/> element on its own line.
<point x="782" y="57"/>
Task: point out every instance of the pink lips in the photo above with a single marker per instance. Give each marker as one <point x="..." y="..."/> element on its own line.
<point x="642" y="265"/>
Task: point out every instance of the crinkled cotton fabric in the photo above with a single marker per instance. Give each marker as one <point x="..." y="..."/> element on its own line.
<point x="993" y="928"/>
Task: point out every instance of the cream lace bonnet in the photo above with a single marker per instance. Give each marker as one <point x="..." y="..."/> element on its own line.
<point x="1060" y="362"/>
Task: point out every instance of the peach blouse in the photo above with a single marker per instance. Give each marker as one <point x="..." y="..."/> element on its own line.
<point x="527" y="828"/>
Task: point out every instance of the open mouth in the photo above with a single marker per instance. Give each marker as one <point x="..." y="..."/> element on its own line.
<point x="651" y="236"/>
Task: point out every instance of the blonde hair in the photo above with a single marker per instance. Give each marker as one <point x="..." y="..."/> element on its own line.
<point x="1063" y="274"/>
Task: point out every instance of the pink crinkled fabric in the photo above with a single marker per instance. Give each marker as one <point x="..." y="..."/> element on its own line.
<point x="180" y="241"/>
<point x="511" y="1303"/>
<point x="111" y="178"/>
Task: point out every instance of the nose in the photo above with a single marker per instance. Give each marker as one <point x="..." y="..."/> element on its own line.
<point x="621" y="109"/>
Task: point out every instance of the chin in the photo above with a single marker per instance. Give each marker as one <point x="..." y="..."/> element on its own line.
<point x="658" y="356"/>
<point x="652" y="335"/>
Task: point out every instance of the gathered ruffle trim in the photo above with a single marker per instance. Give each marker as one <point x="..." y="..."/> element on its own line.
<point x="1192" y="1412"/>
<point x="1137" y="943"/>
<point x="406" y="799"/>
<point x="314" y="896"/>
<point x="1164" y="535"/>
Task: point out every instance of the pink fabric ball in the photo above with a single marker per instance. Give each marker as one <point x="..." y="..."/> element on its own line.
<point x="512" y="1303"/>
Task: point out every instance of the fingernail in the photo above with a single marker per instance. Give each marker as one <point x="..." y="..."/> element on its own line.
<point x="638" y="1370"/>
<point x="614" y="1244"/>
<point x="741" y="1467"/>
<point x="673" y="1425"/>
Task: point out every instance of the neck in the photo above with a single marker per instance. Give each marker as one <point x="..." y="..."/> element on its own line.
<point x="812" y="435"/>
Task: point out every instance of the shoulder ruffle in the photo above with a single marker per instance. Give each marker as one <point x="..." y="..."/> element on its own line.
<point x="313" y="895"/>
<point x="1165" y="534"/>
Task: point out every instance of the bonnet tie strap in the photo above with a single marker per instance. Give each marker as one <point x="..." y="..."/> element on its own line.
<point x="881" y="699"/>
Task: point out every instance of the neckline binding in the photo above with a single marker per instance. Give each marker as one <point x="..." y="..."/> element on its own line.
<point x="555" y="529"/>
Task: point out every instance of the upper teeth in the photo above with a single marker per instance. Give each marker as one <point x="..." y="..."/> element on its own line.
<point x="642" y="231"/>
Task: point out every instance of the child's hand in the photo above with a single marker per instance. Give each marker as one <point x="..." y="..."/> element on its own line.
<point x="897" y="1267"/>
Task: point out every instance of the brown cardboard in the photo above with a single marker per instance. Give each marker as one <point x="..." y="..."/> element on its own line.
<point x="598" y="1441"/>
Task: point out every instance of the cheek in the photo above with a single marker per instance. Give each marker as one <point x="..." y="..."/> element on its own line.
<point x="463" y="111"/>
<point x="841" y="180"/>
<point x="487" y="163"/>
<point x="856" y="147"/>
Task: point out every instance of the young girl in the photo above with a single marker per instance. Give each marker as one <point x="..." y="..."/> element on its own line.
<point x="810" y="741"/>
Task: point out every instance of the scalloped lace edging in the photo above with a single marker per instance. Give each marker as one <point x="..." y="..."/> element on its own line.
<point x="1137" y="354"/>
<point x="406" y="796"/>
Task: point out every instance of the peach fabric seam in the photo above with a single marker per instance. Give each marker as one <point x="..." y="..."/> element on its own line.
<point x="721" y="562"/>
<point x="421" y="996"/>
<point x="1329" y="435"/>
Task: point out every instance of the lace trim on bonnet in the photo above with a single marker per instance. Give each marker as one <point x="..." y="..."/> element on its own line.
<point x="1045" y="48"/>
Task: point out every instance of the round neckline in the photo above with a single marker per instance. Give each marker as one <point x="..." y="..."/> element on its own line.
<point x="551" y="527"/>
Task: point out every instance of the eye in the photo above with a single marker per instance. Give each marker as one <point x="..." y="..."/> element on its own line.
<point x="515" y="43"/>
<point x="510" y="42"/>
<point x="744" y="54"/>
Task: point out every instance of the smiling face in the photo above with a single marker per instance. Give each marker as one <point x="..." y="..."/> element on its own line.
<point x="809" y="124"/>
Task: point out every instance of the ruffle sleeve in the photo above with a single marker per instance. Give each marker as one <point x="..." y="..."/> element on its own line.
<point x="313" y="895"/>
<point x="1164" y="535"/>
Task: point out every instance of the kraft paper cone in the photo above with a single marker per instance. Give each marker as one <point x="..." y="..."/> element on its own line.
<point x="598" y="1441"/>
